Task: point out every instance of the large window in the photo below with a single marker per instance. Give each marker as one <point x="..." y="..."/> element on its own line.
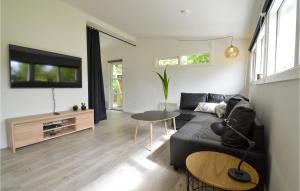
<point x="286" y="35"/>
<point x="274" y="50"/>
<point x="188" y="59"/>
<point x="260" y="50"/>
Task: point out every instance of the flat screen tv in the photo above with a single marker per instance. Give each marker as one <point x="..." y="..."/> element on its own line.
<point x="41" y="69"/>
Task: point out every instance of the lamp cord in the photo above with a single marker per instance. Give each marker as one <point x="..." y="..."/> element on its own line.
<point x="53" y="99"/>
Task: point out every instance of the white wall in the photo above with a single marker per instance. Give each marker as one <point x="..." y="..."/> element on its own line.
<point x="277" y="106"/>
<point x="47" y="25"/>
<point x="142" y="87"/>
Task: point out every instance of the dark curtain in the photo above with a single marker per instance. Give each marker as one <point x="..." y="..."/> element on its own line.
<point x="95" y="79"/>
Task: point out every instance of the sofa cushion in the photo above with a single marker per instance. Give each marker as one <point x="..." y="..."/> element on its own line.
<point x="191" y="100"/>
<point x="230" y="105"/>
<point x="199" y="128"/>
<point x="185" y="117"/>
<point x="221" y="109"/>
<point x="206" y="107"/>
<point x="241" y="119"/>
<point x="215" y="98"/>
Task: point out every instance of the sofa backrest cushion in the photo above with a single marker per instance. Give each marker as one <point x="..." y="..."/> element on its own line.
<point x="215" y="98"/>
<point x="230" y="105"/>
<point x="191" y="100"/>
<point x="241" y="119"/>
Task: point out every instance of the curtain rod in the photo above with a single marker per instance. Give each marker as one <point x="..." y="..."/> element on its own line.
<point x="114" y="61"/>
<point x="112" y="36"/>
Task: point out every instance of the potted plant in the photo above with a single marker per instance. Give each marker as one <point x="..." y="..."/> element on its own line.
<point x="165" y="83"/>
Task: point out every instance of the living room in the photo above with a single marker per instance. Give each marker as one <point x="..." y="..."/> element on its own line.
<point x="244" y="54"/>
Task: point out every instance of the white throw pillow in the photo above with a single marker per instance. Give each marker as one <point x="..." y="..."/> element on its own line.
<point x="221" y="109"/>
<point x="206" y="107"/>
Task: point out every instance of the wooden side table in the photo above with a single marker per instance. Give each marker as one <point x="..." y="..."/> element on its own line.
<point x="210" y="170"/>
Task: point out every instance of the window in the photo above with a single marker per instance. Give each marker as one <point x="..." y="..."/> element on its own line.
<point x="253" y="61"/>
<point x="168" y="61"/>
<point x="116" y="86"/>
<point x="286" y="35"/>
<point x="258" y="54"/>
<point x="200" y="58"/>
<point x="274" y="49"/>
<point x="189" y="59"/>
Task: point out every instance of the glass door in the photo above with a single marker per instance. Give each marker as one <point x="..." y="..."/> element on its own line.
<point x="117" y="86"/>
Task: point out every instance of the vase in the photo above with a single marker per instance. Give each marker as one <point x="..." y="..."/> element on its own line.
<point x="83" y="107"/>
<point x="75" y="108"/>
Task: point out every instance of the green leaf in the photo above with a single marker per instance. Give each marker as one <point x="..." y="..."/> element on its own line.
<point x="165" y="82"/>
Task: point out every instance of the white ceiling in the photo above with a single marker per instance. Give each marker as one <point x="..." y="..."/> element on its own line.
<point x="162" y="18"/>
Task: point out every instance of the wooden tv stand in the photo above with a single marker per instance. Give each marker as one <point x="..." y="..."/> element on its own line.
<point x="23" y="131"/>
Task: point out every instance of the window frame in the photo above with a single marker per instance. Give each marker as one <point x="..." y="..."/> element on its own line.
<point x="165" y="58"/>
<point x="180" y="62"/>
<point x="288" y="74"/>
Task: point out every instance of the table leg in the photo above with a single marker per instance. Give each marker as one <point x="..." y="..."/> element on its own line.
<point x="174" y="123"/>
<point x="187" y="181"/>
<point x="166" y="126"/>
<point x="136" y="129"/>
<point x="151" y="126"/>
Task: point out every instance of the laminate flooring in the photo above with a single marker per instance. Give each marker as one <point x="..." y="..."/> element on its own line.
<point x="106" y="159"/>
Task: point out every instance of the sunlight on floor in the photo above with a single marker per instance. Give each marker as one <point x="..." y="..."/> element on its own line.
<point x="131" y="174"/>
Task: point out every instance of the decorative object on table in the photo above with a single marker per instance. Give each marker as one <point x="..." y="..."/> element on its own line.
<point x="259" y="76"/>
<point x="237" y="173"/>
<point x="75" y="108"/>
<point x="83" y="106"/>
<point x="165" y="83"/>
<point x="170" y="106"/>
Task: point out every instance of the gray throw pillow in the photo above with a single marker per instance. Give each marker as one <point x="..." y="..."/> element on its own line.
<point x="242" y="117"/>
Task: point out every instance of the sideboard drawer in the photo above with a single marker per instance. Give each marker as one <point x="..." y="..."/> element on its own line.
<point x="84" y="121"/>
<point x="27" y="133"/>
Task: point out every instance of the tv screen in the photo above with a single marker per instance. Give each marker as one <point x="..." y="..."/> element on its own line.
<point x="37" y="68"/>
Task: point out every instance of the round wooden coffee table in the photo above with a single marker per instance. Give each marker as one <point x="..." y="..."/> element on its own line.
<point x="210" y="169"/>
<point x="154" y="116"/>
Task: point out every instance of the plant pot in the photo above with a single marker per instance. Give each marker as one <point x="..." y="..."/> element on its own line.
<point x="83" y="107"/>
<point x="75" y="108"/>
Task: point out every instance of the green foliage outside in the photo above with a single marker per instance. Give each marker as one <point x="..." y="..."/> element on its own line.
<point x="44" y="73"/>
<point x="20" y="71"/>
<point x="117" y="84"/>
<point x="117" y="70"/>
<point x="165" y="83"/>
<point x="198" y="58"/>
<point x="68" y="74"/>
<point x="168" y="61"/>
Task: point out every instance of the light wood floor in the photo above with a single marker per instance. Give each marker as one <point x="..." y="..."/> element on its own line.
<point x="107" y="159"/>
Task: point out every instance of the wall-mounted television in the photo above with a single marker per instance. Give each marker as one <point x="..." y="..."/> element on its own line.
<point x="42" y="69"/>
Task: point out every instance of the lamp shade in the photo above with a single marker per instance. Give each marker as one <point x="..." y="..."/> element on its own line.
<point x="232" y="52"/>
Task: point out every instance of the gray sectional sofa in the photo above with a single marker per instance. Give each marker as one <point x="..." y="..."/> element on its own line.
<point x="194" y="134"/>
